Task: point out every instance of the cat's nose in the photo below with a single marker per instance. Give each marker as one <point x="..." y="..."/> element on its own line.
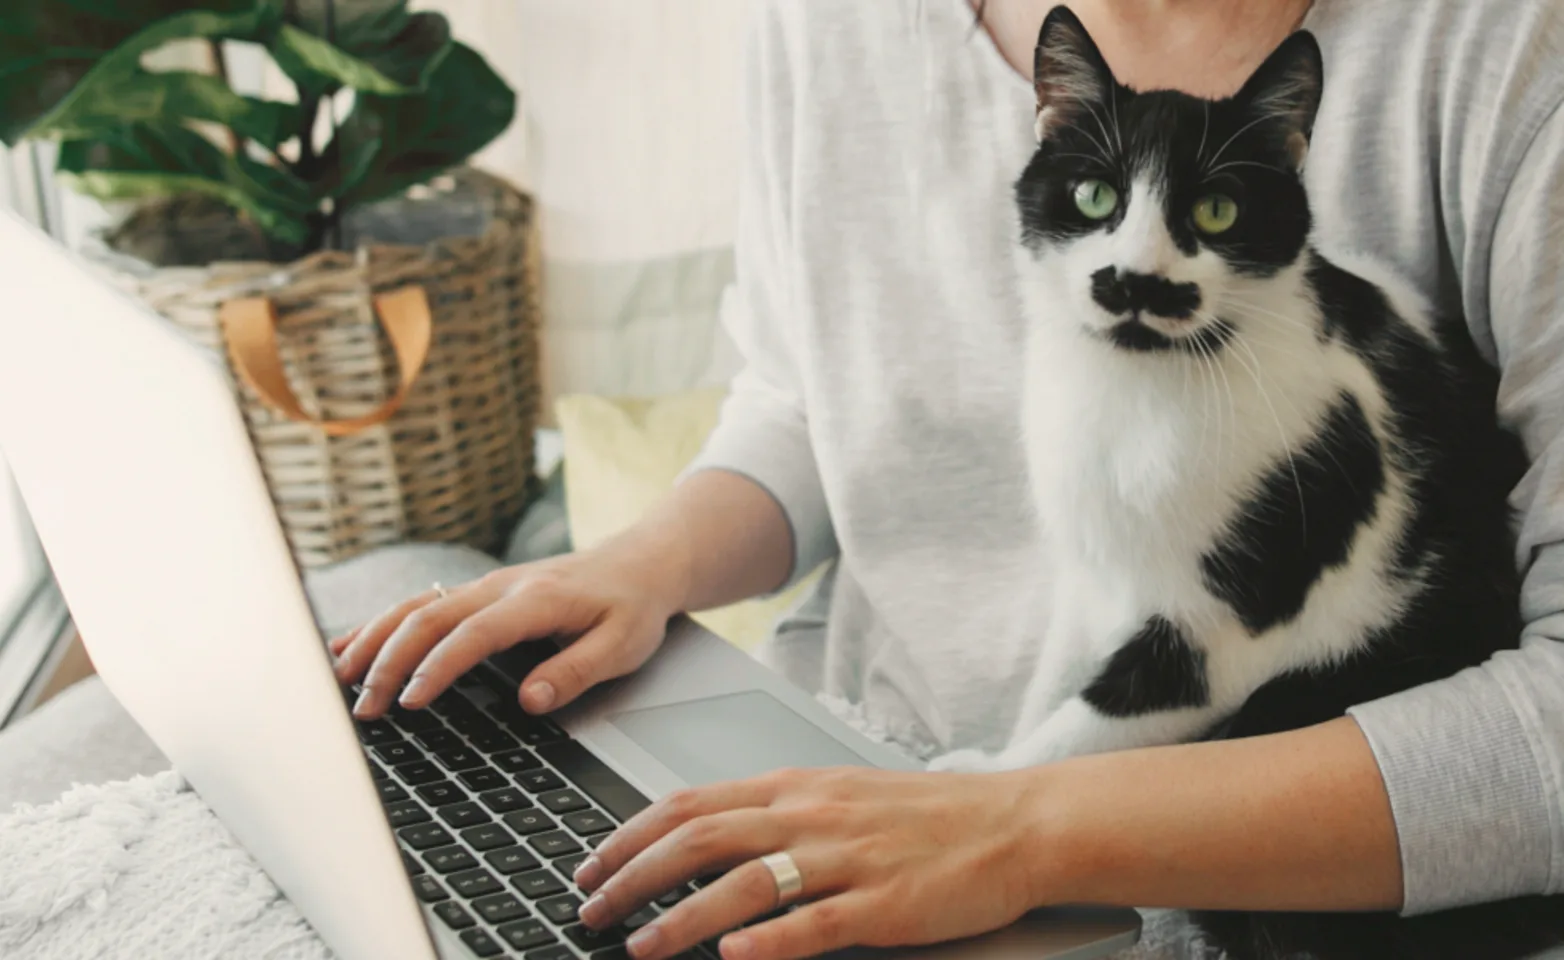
<point x="1125" y="292"/>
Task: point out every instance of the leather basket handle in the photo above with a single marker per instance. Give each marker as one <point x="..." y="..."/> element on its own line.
<point x="250" y="328"/>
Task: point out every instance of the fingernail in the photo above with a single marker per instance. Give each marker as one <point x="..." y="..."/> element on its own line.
<point x="540" y="696"/>
<point x="736" y="946"/>
<point x="586" y="874"/>
<point x="412" y="694"/>
<point x="361" y="708"/>
<point x="594" y="911"/>
<point x="643" y="941"/>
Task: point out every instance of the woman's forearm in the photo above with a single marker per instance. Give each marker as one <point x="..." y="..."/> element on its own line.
<point x="1293" y="821"/>
<point x="717" y="538"/>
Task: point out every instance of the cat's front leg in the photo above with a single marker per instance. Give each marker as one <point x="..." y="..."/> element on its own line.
<point x="1078" y="728"/>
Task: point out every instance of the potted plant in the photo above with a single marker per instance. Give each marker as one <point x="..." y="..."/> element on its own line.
<point x="280" y="229"/>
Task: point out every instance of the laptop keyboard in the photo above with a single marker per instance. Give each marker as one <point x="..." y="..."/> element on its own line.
<point x="494" y="809"/>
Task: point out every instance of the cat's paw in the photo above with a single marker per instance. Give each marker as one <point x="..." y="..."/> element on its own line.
<point x="966" y="761"/>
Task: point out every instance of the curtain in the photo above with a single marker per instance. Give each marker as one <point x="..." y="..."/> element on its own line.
<point x="627" y="132"/>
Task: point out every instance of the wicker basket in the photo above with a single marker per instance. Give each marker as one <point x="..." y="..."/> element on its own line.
<point x="352" y="458"/>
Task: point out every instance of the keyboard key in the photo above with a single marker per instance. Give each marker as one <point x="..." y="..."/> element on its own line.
<point x="419" y="773"/>
<point x="620" y="953"/>
<point x="584" y="823"/>
<point x="411" y="864"/>
<point x="424" y="836"/>
<point x="429" y="890"/>
<point x="474" y="883"/>
<point x="527" y="822"/>
<point x="374" y="732"/>
<point x="537" y="884"/>
<point x="539" y="781"/>
<point x="588" y="939"/>
<point x="414" y="721"/>
<point x="505" y="799"/>
<point x="452" y="702"/>
<point x="673" y="896"/>
<point x="459" y="758"/>
<point x="567" y="866"/>
<point x="442" y="792"/>
<point x="450" y="859"/>
<point x="481" y="943"/>
<point x="454" y="916"/>
<point x="441" y="739"/>
<point x="484" y="778"/>
<point x="553" y="845"/>
<point x="474" y="724"/>
<point x="405" y="813"/>
<point x="639" y="919"/>
<point x="524" y="934"/>
<point x="494" y="741"/>
<point x="390" y="791"/>
<point x="399" y="752"/>
<point x="490" y="836"/>
<point x="562" y="801"/>
<point x="597" y="841"/>
<point x="510" y="860"/>
<point x="461" y="815"/>
<point x="594" y="778"/>
<point x="501" y="908"/>
<point x="516" y="761"/>
<point x="551" y="953"/>
<point x="377" y="771"/>
<point x="561" y="910"/>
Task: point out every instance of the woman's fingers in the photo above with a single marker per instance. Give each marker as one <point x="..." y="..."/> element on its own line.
<point x="700" y="847"/>
<point x="412" y="639"/>
<point x="835" y="923"/>
<point x="662" y="818"/>
<point x="365" y="643"/>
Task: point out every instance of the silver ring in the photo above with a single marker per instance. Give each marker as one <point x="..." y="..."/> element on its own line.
<point x="790" y="883"/>
<point x="440" y="590"/>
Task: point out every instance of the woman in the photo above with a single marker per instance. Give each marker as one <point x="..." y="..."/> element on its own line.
<point x="873" y="426"/>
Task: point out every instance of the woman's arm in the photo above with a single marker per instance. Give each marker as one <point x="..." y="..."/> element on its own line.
<point x="1297" y="820"/>
<point x="1292" y="821"/>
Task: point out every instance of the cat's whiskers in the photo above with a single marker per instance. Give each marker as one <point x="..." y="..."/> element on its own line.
<point x="1232" y="407"/>
<point x="1113" y="104"/>
<point x="1267" y="312"/>
<point x="1213" y="171"/>
<point x="1243" y="130"/>
<point x="1102" y="145"/>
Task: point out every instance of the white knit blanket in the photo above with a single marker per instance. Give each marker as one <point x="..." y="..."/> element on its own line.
<point x="142" y="870"/>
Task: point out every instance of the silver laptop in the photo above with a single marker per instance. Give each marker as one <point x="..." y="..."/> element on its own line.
<point x="447" y="833"/>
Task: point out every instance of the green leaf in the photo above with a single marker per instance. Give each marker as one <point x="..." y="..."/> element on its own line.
<point x="86" y="49"/>
<point x="148" y="160"/>
<point x="390" y="143"/>
<point x="369" y="62"/>
<point x="173" y="96"/>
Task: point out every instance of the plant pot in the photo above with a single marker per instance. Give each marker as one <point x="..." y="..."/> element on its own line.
<point x="364" y="439"/>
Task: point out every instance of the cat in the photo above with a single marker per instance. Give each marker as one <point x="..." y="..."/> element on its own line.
<point x="1271" y="488"/>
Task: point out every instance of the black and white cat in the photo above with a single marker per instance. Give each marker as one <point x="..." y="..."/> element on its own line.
<point x="1271" y="488"/>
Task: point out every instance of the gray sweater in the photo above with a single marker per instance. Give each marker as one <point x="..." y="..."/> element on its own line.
<point x="880" y="399"/>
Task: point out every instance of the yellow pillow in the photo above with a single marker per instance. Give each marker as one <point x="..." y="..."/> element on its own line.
<point x="621" y="455"/>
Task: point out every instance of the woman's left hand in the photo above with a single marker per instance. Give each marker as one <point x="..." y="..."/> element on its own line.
<point x="887" y="859"/>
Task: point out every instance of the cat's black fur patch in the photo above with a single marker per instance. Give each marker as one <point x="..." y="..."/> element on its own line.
<point x="1159" y="669"/>
<point x="1123" y="292"/>
<point x="1135" y="336"/>
<point x="1300" y="523"/>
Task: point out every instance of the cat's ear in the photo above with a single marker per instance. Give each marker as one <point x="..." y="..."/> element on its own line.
<point x="1284" y="94"/>
<point x="1068" y="72"/>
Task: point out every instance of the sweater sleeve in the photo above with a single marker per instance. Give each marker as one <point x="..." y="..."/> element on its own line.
<point x="1474" y="765"/>
<point x="763" y="430"/>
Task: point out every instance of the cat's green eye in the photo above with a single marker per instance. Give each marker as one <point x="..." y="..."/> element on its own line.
<point x="1096" y="199"/>
<point x="1215" y="213"/>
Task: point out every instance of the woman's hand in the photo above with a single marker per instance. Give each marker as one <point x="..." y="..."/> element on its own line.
<point x="617" y="600"/>
<point x="888" y="859"/>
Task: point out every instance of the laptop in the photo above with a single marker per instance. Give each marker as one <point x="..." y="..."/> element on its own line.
<point x="446" y="833"/>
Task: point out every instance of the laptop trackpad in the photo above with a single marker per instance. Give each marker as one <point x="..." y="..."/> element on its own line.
<point x="731" y="737"/>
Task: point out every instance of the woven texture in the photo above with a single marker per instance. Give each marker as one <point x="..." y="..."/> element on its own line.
<point x="455" y="463"/>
